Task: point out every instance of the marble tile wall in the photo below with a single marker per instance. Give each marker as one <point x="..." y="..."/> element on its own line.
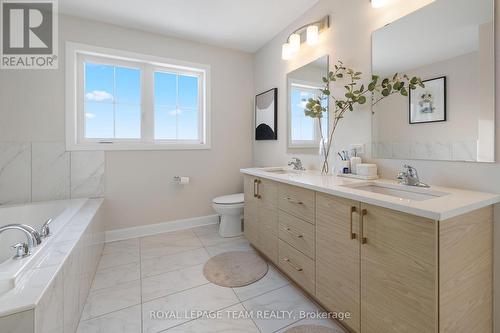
<point x="465" y="150"/>
<point x="40" y="171"/>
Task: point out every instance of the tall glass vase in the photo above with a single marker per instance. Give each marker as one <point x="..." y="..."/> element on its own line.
<point x="323" y="156"/>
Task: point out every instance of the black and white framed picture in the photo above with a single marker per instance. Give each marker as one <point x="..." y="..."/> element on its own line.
<point x="266" y="115"/>
<point x="428" y="105"/>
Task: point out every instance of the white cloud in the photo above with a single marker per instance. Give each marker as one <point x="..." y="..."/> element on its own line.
<point x="175" y="112"/>
<point x="89" y="115"/>
<point x="98" y="96"/>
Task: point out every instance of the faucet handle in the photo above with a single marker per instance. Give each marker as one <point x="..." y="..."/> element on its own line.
<point x="22" y="250"/>
<point x="45" y="230"/>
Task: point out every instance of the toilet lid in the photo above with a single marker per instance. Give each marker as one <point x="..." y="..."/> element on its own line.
<point x="230" y="199"/>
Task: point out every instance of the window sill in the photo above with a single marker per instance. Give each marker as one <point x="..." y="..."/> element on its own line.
<point x="134" y="147"/>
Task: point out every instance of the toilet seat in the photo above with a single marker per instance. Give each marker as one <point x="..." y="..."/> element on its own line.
<point x="232" y="199"/>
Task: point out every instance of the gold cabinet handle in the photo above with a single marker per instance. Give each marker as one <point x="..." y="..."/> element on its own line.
<point x="352" y="235"/>
<point x="364" y="240"/>
<point x="293" y="201"/>
<point x="297" y="268"/>
<point x="256" y="188"/>
<point x="296" y="235"/>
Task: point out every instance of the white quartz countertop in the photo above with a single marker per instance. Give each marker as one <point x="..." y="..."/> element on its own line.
<point x="451" y="203"/>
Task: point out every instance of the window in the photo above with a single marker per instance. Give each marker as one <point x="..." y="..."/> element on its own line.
<point x="304" y="131"/>
<point x="122" y="101"/>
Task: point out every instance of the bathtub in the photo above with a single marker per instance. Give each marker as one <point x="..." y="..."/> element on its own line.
<point x="33" y="215"/>
<point x="66" y="260"/>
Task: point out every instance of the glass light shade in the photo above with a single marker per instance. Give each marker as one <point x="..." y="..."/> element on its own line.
<point x="294" y="42"/>
<point x="286" y="52"/>
<point x="379" y="3"/>
<point x="312" y="34"/>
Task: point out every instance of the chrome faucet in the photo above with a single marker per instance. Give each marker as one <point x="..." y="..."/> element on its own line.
<point x="296" y="163"/>
<point x="45" y="230"/>
<point x="409" y="176"/>
<point x="22" y="249"/>
<point x="33" y="232"/>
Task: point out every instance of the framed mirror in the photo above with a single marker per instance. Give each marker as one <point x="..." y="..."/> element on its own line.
<point x="302" y="84"/>
<point x="450" y="45"/>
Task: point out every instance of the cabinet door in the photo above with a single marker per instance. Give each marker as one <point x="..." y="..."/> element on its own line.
<point x="268" y="224"/>
<point x="398" y="272"/>
<point x="251" y="212"/>
<point x="337" y="256"/>
<point x="267" y="191"/>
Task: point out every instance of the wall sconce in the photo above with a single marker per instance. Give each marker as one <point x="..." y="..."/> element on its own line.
<point x="308" y="33"/>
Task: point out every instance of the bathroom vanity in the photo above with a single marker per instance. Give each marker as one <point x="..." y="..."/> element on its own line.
<point x="398" y="259"/>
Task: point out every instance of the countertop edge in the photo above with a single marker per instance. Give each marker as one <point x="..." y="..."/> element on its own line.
<point x="429" y="214"/>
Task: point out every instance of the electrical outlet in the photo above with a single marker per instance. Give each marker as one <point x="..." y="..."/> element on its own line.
<point x="360" y="147"/>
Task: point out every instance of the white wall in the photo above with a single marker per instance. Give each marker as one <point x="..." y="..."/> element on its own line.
<point x="138" y="185"/>
<point x="349" y="39"/>
<point x="455" y="139"/>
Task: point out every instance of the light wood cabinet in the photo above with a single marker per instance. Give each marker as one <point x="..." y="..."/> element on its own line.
<point x="297" y="201"/>
<point x="250" y="215"/>
<point x="297" y="266"/>
<point x="261" y="215"/>
<point x="398" y="272"/>
<point x="297" y="233"/>
<point x="392" y="271"/>
<point x="338" y="256"/>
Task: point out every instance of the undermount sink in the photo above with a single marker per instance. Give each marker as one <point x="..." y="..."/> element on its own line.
<point x="402" y="192"/>
<point x="281" y="171"/>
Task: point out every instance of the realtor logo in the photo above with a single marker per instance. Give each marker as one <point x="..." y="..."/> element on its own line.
<point x="29" y="34"/>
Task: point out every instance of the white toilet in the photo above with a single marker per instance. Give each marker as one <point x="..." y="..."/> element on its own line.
<point x="230" y="210"/>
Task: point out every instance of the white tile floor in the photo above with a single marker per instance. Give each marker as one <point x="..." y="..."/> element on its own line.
<point x="164" y="273"/>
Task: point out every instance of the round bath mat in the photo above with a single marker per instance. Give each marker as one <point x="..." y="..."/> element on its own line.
<point x="310" y="329"/>
<point x="235" y="269"/>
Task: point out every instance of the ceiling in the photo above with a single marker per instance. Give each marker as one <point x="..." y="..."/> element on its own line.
<point x="244" y="25"/>
<point x="430" y="35"/>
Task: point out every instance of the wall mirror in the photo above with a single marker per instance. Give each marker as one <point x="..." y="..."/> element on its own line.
<point x="304" y="83"/>
<point x="450" y="44"/>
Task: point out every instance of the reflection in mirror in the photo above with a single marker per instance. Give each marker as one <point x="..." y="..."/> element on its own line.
<point x="449" y="44"/>
<point x="304" y="83"/>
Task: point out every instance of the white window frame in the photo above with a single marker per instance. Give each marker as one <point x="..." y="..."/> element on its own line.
<point x="77" y="54"/>
<point x="302" y="143"/>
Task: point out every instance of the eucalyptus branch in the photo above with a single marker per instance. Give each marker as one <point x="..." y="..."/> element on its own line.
<point x="355" y="93"/>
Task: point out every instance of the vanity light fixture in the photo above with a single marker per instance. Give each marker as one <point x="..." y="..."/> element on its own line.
<point x="312" y="35"/>
<point x="308" y="33"/>
<point x="294" y="41"/>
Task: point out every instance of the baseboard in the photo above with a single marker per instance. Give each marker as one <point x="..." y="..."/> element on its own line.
<point x="152" y="229"/>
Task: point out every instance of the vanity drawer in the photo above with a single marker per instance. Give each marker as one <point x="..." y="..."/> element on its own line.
<point x="297" y="266"/>
<point x="268" y="219"/>
<point x="297" y="233"/>
<point x="297" y="201"/>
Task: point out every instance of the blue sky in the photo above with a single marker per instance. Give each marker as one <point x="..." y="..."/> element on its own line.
<point x="302" y="126"/>
<point x="113" y="104"/>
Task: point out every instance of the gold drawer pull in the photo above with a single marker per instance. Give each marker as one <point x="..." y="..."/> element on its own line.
<point x="352" y="235"/>
<point x="296" y="235"/>
<point x="256" y="188"/>
<point x="297" y="268"/>
<point x="364" y="240"/>
<point x="294" y="201"/>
